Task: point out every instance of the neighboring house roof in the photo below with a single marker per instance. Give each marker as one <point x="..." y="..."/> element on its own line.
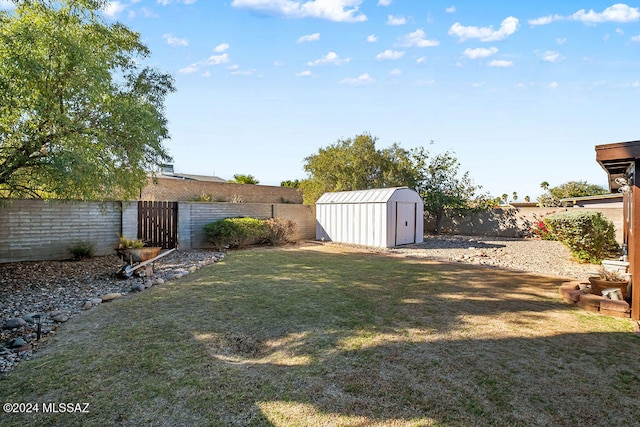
<point x="610" y="198"/>
<point x="202" y="178"/>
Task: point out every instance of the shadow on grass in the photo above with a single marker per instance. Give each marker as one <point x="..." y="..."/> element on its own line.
<point x="313" y="338"/>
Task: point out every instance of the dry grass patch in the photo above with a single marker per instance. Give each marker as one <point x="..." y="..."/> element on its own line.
<point x="333" y="336"/>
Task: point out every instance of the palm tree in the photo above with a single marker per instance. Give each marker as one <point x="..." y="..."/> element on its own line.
<point x="544" y="185"/>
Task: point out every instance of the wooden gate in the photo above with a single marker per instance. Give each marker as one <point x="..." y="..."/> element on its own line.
<point x="158" y="224"/>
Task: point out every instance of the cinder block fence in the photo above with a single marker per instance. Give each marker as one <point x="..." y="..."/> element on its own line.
<point x="33" y="230"/>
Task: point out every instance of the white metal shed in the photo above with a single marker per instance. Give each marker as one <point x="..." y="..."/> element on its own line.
<point x="381" y="217"/>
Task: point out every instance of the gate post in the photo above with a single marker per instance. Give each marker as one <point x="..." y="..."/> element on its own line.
<point x="129" y="220"/>
<point x="184" y="225"/>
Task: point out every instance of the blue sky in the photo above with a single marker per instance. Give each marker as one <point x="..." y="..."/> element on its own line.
<point x="521" y="91"/>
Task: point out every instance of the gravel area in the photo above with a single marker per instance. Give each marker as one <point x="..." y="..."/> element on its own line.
<point x="545" y="257"/>
<point x="62" y="289"/>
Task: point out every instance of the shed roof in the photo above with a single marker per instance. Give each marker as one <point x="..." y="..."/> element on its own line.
<point x="375" y="195"/>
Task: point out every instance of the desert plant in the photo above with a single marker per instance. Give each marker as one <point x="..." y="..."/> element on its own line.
<point x="124" y="242"/>
<point x="278" y="230"/>
<point x="203" y="198"/>
<point x="81" y="250"/>
<point x="230" y="233"/>
<point x="589" y="236"/>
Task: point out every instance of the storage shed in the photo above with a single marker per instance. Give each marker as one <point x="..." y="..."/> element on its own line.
<point x="381" y="217"/>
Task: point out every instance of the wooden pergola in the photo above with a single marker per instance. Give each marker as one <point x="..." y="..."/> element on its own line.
<point x="621" y="160"/>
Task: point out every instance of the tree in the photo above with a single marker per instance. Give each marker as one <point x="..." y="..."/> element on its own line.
<point x="515" y="196"/>
<point x="244" y="179"/>
<point x="444" y="191"/>
<point x="544" y="185"/>
<point x="570" y="189"/>
<point x="290" y="183"/>
<point x="80" y="117"/>
<point x="356" y="164"/>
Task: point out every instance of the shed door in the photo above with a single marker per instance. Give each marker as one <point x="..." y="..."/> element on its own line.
<point x="405" y="223"/>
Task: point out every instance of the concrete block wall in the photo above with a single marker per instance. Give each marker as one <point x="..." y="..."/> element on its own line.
<point x="513" y="222"/>
<point x="174" y="189"/>
<point x="33" y="230"/>
<point x="193" y="216"/>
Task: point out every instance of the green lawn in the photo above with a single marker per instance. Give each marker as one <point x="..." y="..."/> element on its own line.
<point x="327" y="336"/>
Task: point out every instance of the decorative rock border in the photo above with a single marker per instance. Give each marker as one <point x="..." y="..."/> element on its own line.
<point x="19" y="332"/>
<point x="577" y="293"/>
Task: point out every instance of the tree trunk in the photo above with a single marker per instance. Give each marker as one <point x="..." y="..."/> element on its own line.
<point x="439" y="216"/>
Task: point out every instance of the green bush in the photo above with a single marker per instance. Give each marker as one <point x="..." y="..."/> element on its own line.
<point x="230" y="233"/>
<point x="589" y="236"/>
<point x="278" y="230"/>
<point x="81" y="250"/>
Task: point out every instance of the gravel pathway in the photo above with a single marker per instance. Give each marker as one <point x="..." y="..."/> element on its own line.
<point x="62" y="289"/>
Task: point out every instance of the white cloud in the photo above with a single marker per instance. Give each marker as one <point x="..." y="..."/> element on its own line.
<point x="500" y="63"/>
<point x="421" y="60"/>
<point x="390" y="54"/>
<point x="396" y="72"/>
<point x="450" y="9"/>
<point x="218" y="59"/>
<point x="362" y="79"/>
<point x="309" y="38"/>
<point x="417" y="39"/>
<point x="372" y="38"/>
<point x="305" y="73"/>
<point x="619" y="12"/>
<point x="486" y="34"/>
<point x="190" y="69"/>
<point x="114" y="8"/>
<point x="175" y="41"/>
<point x="384" y="2"/>
<point x="330" y="58"/>
<point x="561" y="41"/>
<point x="221" y="47"/>
<point x="167" y="2"/>
<point x="635" y="84"/>
<point x="553" y="85"/>
<point x="551" y="56"/>
<point x="480" y="52"/>
<point x="477" y="84"/>
<point x="635" y="38"/>
<point x="619" y="32"/>
<point x="544" y="20"/>
<point x="233" y="67"/>
<point x="244" y="73"/>
<point x="332" y="10"/>
<point x="396" y="20"/>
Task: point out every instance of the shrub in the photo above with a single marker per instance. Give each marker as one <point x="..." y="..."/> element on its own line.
<point x="232" y="233"/>
<point x="278" y="230"/>
<point x="81" y="250"/>
<point x="589" y="236"/>
<point x="124" y="242"/>
<point x="539" y="229"/>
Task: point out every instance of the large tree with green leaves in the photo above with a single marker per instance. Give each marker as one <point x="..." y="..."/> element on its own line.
<point x="80" y="116"/>
<point x="356" y="164"/>
<point x="444" y="190"/>
<point x="570" y="189"/>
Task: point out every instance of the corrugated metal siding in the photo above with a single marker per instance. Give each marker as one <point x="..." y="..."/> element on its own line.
<point x="376" y="195"/>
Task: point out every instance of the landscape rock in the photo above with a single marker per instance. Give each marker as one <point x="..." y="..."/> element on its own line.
<point x="17" y="343"/>
<point x="87" y="305"/>
<point x="60" y="318"/>
<point x="14" y="323"/>
<point x="111" y="296"/>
